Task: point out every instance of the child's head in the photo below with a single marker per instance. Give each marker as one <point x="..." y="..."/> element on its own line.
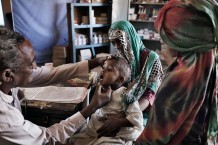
<point x="115" y="72"/>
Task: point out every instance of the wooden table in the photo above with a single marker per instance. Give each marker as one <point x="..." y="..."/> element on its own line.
<point x="47" y="113"/>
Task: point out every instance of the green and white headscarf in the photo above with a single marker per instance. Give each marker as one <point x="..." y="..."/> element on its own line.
<point x="132" y="46"/>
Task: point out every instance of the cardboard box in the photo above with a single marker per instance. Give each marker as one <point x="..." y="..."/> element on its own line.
<point x="101" y="18"/>
<point x="58" y="61"/>
<point x="85" y="54"/>
<point x="60" y="51"/>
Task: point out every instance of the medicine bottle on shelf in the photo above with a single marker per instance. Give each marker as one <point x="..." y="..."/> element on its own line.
<point x="95" y="39"/>
<point x="100" y="39"/>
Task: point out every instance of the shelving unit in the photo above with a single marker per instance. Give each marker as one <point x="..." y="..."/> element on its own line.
<point x="142" y="14"/>
<point x="88" y="25"/>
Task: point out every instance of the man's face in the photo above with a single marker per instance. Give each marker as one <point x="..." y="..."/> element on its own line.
<point x="23" y="74"/>
<point x="110" y="74"/>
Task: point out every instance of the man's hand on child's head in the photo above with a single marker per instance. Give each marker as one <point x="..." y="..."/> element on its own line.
<point x="101" y="60"/>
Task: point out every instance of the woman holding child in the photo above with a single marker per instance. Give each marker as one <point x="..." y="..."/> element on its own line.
<point x="145" y="65"/>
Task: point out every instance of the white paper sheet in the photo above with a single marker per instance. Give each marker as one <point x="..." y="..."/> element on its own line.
<point x="56" y="94"/>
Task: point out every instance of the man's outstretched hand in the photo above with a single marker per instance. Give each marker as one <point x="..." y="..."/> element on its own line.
<point x="98" y="100"/>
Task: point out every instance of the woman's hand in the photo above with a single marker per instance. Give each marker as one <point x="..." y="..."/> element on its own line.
<point x="110" y="128"/>
<point x="112" y="124"/>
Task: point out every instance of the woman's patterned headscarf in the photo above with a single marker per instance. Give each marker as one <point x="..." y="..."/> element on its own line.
<point x="132" y="46"/>
<point x="180" y="115"/>
<point x="131" y="42"/>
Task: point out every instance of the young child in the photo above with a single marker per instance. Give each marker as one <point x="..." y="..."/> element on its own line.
<point x="115" y="73"/>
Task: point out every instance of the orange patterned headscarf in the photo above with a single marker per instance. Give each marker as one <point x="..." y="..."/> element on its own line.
<point x="185" y="107"/>
<point x="185" y="29"/>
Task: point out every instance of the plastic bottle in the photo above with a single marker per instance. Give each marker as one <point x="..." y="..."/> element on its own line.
<point x="76" y="41"/>
<point x="100" y="38"/>
<point x="95" y="39"/>
<point x="80" y="40"/>
<point x="83" y="40"/>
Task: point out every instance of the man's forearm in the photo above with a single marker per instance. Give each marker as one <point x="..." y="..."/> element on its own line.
<point x="88" y="111"/>
<point x="99" y="99"/>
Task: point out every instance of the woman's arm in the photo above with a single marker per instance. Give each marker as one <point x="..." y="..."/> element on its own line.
<point x="143" y="103"/>
<point x="112" y="125"/>
<point x="146" y="99"/>
<point x="132" y="118"/>
<point x="153" y="83"/>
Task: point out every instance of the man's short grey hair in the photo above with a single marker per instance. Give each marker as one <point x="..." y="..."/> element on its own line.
<point x="10" y="55"/>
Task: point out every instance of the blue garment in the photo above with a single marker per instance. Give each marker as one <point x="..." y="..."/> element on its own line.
<point x="43" y="22"/>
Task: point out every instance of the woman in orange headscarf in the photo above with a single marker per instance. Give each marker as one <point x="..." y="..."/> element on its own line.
<point x="185" y="107"/>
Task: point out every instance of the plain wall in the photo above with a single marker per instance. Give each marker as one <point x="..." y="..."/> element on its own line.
<point x="7" y="9"/>
<point x="119" y="12"/>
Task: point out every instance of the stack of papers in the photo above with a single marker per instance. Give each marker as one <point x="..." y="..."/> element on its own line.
<point x="56" y="94"/>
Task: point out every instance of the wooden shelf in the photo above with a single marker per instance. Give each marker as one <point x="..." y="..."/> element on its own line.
<point x="158" y="4"/>
<point x="143" y="21"/>
<point x="100" y="25"/>
<point x="76" y="13"/>
<point x="82" y="46"/>
<point x="102" y="44"/>
<point x="93" y="45"/>
<point x="151" y="10"/>
<point x="91" y="4"/>
<point x="81" y="26"/>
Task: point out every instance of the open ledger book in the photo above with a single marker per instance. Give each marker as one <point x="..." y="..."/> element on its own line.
<point x="56" y="94"/>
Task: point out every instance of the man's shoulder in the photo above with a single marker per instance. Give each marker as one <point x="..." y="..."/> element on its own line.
<point x="9" y="116"/>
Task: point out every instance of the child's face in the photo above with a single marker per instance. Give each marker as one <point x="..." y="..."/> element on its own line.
<point x="110" y="75"/>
